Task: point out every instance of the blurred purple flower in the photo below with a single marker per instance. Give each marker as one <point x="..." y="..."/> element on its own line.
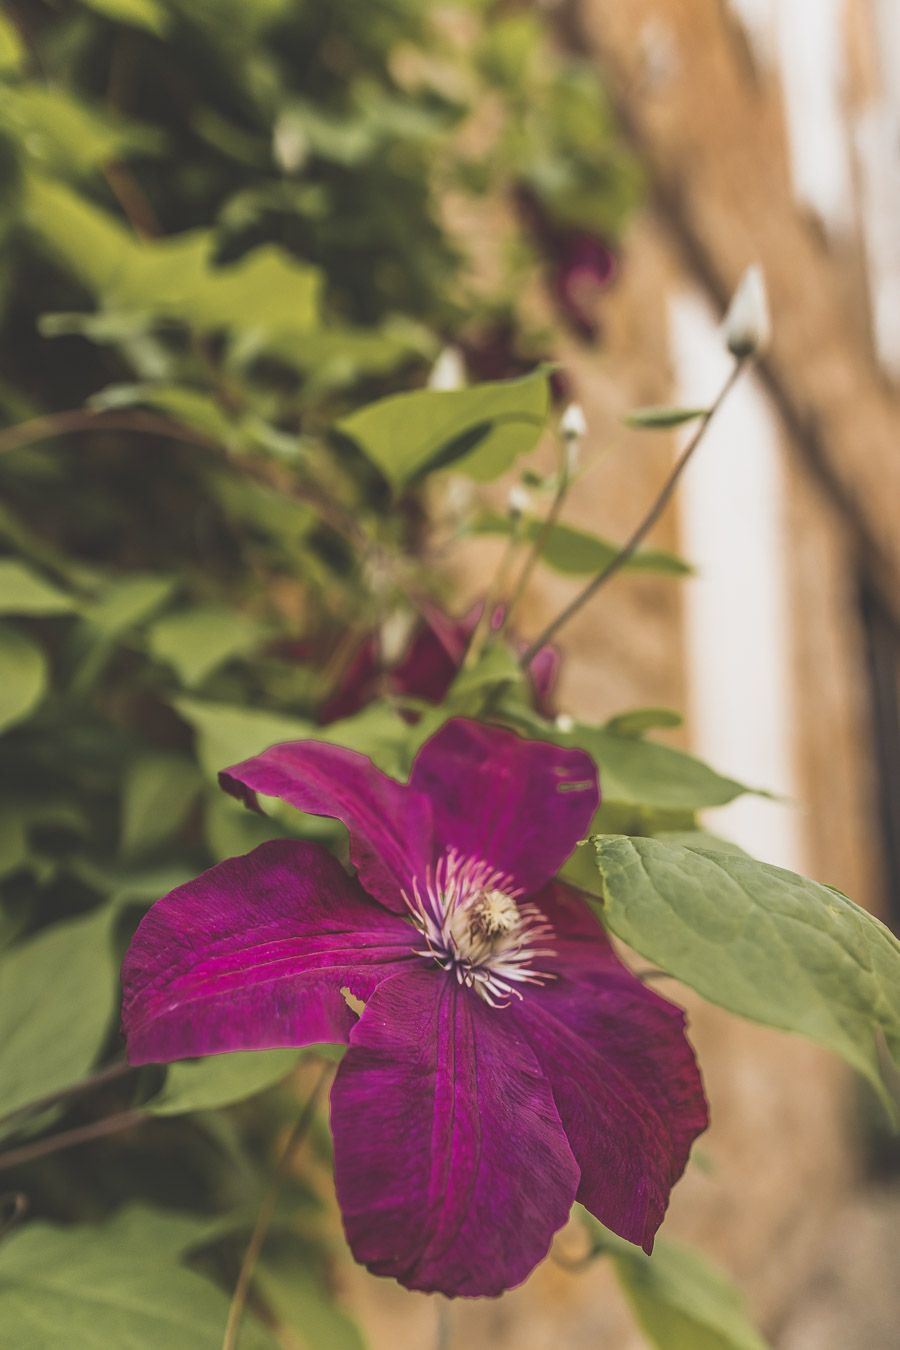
<point x="578" y="264"/>
<point x="505" y="1063"/>
<point x="429" y="665"/>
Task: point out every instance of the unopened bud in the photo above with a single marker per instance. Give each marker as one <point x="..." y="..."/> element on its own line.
<point x="565" y="723"/>
<point x="573" y="423"/>
<point x="518" y="502"/>
<point x="573" y="427"/>
<point x="394" y="636"/>
<point x="290" y="144"/>
<point x="448" y="371"/>
<point x="747" y="326"/>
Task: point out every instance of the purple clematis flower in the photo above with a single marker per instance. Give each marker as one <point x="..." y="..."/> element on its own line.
<point x="505" y="1063"/>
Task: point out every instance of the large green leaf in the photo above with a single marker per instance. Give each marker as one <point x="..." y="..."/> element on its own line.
<point x="23" y="676"/>
<point x="67" y="136"/>
<point x="645" y="773"/>
<point x="680" y="1301"/>
<point x="227" y="734"/>
<point x="300" y="1299"/>
<point x="195" y="642"/>
<point x="157" y="794"/>
<point x="58" y="1000"/>
<point x="115" y="1287"/>
<point x="266" y="291"/>
<point x="219" y="1080"/>
<point x="573" y="551"/>
<point x="149" y="14"/>
<point x="25" y="591"/>
<point x="759" y="941"/>
<point x="480" y="431"/>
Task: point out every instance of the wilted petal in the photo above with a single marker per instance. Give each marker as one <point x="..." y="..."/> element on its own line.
<point x="520" y="806"/>
<point x="452" y="1168"/>
<point x="624" y="1077"/>
<point x="253" y="954"/>
<point x="389" y="825"/>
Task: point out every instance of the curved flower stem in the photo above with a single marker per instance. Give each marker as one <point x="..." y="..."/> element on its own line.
<point x="492" y="596"/>
<point x="537" y="547"/>
<point x="82" y="1134"/>
<point x="444" y="1330"/>
<point x="267" y="1212"/>
<point x="634" y="541"/>
<point x="99" y="1079"/>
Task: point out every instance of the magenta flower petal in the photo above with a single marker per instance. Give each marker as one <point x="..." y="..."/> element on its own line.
<point x="519" y="805"/>
<point x="624" y="1077"/>
<point x="389" y="825"/>
<point x="452" y="1169"/>
<point x="253" y="954"/>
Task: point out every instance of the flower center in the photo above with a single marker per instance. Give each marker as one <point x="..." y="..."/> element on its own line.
<point x="469" y="915"/>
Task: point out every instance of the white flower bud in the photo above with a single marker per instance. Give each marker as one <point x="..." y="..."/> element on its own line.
<point x="518" y="502"/>
<point x="573" y="423"/>
<point x="747" y="327"/>
<point x="290" y="144"/>
<point x="448" y="371"/>
<point x="394" y="635"/>
<point x="564" y="723"/>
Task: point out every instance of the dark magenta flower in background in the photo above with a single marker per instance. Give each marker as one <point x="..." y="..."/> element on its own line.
<point x="505" y="1063"/>
<point x="429" y="664"/>
<point x="578" y="264"/>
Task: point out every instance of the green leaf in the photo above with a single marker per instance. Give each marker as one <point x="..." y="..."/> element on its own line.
<point x="58" y="1000"/>
<point x="191" y="407"/>
<point x="643" y="719"/>
<point x="12" y="52"/>
<point x="663" y="417"/>
<point x="149" y="14"/>
<point x="267" y="292"/>
<point x="156" y="796"/>
<point x="227" y="734"/>
<point x="219" y="1080"/>
<point x="299" y="1298"/>
<point x="24" y="591"/>
<point x="645" y="773"/>
<point x="480" y="431"/>
<point x="65" y="135"/>
<point x="680" y="1301"/>
<point x="759" y="941"/>
<point x="127" y="603"/>
<point x="195" y="642"/>
<point x="118" y="1285"/>
<point x="23" y="676"/>
<point x="577" y="553"/>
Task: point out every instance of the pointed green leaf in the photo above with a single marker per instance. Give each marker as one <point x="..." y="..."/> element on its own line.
<point x="118" y="1286"/>
<point x="679" y="1299"/>
<point x="25" y="591"/>
<point x="156" y="796"/>
<point x="760" y="941"/>
<point x="219" y="1080"/>
<point x="663" y="417"/>
<point x="227" y="734"/>
<point x="23" y="676"/>
<point x="195" y="642"/>
<point x="645" y="773"/>
<point x="58" y="999"/>
<point x="575" y="552"/>
<point x="480" y="430"/>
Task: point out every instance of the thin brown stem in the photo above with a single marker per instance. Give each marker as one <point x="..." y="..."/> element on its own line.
<point x="536" y="549"/>
<point x="83" y="1134"/>
<point x="109" y="1074"/>
<point x="267" y="1213"/>
<point x="630" y="547"/>
<point x="50" y="425"/>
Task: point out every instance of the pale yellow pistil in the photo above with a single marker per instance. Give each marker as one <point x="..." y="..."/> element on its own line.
<point x="485" y="924"/>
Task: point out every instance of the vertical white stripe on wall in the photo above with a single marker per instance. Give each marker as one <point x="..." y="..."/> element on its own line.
<point x="811" y="59"/>
<point x="757" y="17"/>
<point x="731" y="503"/>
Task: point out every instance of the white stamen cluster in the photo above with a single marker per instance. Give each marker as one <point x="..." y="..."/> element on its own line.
<point x="473" y="926"/>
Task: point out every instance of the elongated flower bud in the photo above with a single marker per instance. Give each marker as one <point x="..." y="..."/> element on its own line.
<point x="747" y="326"/>
<point x="448" y="371"/>
<point x="518" y="502"/>
<point x="573" y="428"/>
